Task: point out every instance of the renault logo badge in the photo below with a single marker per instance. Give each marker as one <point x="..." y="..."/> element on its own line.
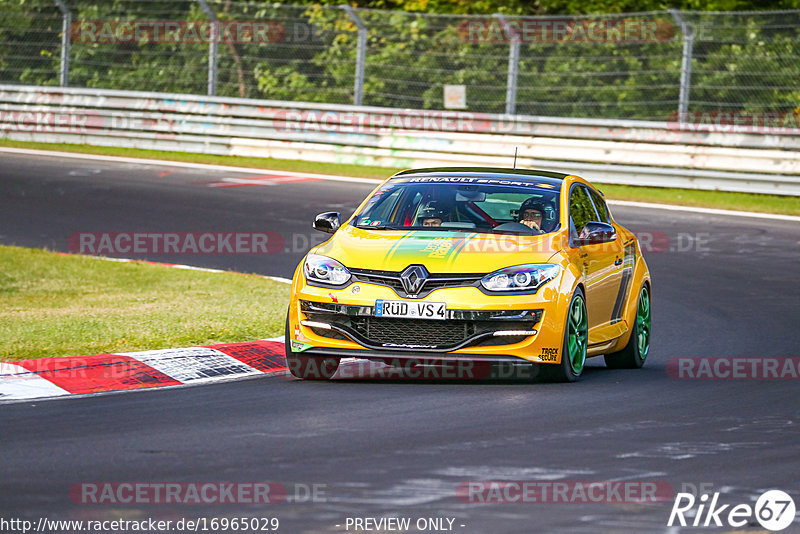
<point x="413" y="278"/>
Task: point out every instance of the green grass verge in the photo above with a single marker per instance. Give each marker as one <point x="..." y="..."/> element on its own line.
<point x="683" y="197"/>
<point x="60" y="305"/>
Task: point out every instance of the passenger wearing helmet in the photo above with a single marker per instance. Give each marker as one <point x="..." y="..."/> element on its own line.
<point x="531" y="213"/>
<point x="431" y="215"/>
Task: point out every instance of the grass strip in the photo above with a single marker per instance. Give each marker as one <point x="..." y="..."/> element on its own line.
<point x="61" y="305"/>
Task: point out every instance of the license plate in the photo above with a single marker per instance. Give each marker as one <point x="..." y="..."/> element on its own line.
<point x="410" y="310"/>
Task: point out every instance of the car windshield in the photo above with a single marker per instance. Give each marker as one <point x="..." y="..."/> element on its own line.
<point x="484" y="205"/>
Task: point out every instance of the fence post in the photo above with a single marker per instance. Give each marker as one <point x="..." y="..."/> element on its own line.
<point x="361" y="53"/>
<point x="686" y="64"/>
<point x="66" y="24"/>
<point x="513" y="65"/>
<point x="213" y="44"/>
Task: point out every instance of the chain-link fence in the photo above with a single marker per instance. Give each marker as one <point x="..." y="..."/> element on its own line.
<point x="633" y="66"/>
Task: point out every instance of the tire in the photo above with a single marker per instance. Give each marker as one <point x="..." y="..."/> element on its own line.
<point x="307" y="367"/>
<point x="573" y="350"/>
<point x="635" y="352"/>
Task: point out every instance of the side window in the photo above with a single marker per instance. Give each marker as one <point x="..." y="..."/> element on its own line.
<point x="581" y="209"/>
<point x="600" y="205"/>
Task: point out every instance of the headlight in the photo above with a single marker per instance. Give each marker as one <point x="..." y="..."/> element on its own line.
<point x="325" y="270"/>
<point x="520" y="277"/>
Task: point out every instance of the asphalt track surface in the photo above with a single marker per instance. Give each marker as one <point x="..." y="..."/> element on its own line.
<point x="722" y="286"/>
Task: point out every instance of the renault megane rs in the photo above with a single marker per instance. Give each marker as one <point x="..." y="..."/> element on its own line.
<point x="472" y="264"/>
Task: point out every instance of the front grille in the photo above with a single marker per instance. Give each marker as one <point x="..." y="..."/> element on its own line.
<point x="413" y="332"/>
<point x="433" y="282"/>
<point x="376" y="277"/>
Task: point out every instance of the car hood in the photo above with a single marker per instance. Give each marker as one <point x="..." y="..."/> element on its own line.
<point x="438" y="251"/>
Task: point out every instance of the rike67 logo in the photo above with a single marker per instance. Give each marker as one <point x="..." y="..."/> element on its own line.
<point x="774" y="510"/>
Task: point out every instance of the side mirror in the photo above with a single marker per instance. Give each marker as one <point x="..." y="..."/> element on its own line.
<point x="596" y="232"/>
<point x="327" y="222"/>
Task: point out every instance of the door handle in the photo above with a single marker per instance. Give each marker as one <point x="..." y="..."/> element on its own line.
<point x="618" y="262"/>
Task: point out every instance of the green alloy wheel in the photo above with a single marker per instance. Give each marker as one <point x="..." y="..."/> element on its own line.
<point x="576" y="336"/>
<point x="638" y="347"/>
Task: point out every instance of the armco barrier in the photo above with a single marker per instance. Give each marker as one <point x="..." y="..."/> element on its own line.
<point x="623" y="152"/>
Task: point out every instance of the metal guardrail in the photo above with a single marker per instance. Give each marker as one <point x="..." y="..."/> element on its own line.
<point x="610" y="151"/>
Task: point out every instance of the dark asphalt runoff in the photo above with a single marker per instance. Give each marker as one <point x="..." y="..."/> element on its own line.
<point x="722" y="287"/>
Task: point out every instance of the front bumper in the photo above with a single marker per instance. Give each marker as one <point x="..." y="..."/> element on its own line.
<point x="478" y="327"/>
<point x="462" y="328"/>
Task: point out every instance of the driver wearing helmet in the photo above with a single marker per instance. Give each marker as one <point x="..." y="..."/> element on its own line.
<point x="531" y="213"/>
<point x="431" y="215"/>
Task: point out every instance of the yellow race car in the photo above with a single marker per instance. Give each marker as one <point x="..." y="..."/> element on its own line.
<point x="486" y="265"/>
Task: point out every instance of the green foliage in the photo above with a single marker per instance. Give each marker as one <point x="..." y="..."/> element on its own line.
<point x="739" y="61"/>
<point x="559" y="7"/>
<point x="752" y="70"/>
<point x="30" y="41"/>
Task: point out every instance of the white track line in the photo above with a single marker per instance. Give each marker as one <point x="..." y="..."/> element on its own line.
<point x="278" y="279"/>
<point x="190" y="268"/>
<point x="187" y="165"/>
<point x="330" y="177"/>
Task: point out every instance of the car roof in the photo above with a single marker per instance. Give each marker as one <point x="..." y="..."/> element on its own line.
<point x="554" y="178"/>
